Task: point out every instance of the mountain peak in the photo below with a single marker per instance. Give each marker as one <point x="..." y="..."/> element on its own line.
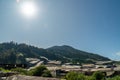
<point x="61" y="47"/>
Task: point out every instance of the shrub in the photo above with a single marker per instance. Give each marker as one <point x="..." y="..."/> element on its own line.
<point x="46" y="73"/>
<point x="20" y="71"/>
<point x="81" y="77"/>
<point x="98" y="76"/>
<point x="4" y="70"/>
<point x="71" y="76"/>
<point x="114" y="78"/>
<point x="40" y="71"/>
<point x="75" y="76"/>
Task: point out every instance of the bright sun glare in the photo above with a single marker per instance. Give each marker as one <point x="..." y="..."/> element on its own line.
<point x="28" y="9"/>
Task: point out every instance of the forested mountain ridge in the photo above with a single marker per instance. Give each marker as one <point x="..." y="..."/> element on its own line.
<point x="75" y="54"/>
<point x="17" y="53"/>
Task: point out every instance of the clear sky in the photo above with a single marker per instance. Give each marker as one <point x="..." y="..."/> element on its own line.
<point x="88" y="25"/>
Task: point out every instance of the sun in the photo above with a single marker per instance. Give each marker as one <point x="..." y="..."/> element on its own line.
<point x="28" y="9"/>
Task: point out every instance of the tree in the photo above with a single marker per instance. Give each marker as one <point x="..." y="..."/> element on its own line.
<point x="40" y="71"/>
<point x="99" y="76"/>
<point x="81" y="77"/>
<point x="46" y="73"/>
<point x="71" y="76"/>
<point x="75" y="76"/>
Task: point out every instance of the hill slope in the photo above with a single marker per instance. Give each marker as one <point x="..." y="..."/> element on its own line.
<point x="76" y="55"/>
<point x="16" y="53"/>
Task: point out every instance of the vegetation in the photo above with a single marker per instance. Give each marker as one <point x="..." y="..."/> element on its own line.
<point x="75" y="55"/>
<point x="99" y="76"/>
<point x="4" y="70"/>
<point x="20" y="71"/>
<point x="13" y="53"/>
<point x="75" y="76"/>
<point x="44" y="72"/>
<point x="40" y="71"/>
<point x="96" y="76"/>
<point x="79" y="76"/>
<point x="114" y="78"/>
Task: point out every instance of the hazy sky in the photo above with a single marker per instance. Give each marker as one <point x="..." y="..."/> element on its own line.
<point x="88" y="25"/>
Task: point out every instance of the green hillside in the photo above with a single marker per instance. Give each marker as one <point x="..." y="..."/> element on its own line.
<point x="75" y="54"/>
<point x="16" y="53"/>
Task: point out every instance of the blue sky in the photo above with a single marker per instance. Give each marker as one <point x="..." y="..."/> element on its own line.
<point x="88" y="25"/>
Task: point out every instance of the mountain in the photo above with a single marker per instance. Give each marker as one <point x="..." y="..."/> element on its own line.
<point x="12" y="52"/>
<point x="73" y="54"/>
